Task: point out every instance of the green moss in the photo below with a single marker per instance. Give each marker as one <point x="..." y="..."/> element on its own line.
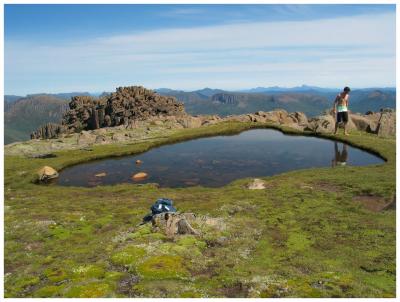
<point x="162" y="267"/>
<point x="171" y="288"/>
<point x="298" y="241"/>
<point x="381" y="281"/>
<point x="143" y="230"/>
<point x="27" y="281"/>
<point x="48" y="259"/>
<point x="90" y="290"/>
<point x="56" y="274"/>
<point x="60" y="232"/>
<point x="190" y="294"/>
<point x="113" y="276"/>
<point x="129" y="255"/>
<point x="48" y="291"/>
<point x="88" y="271"/>
<point x="190" y="240"/>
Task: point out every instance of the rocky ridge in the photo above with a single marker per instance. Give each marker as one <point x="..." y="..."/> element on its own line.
<point x="134" y="114"/>
<point x="124" y="107"/>
<point x="382" y="124"/>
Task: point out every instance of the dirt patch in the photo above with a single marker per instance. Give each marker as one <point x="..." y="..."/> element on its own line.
<point x="238" y="290"/>
<point x="328" y="187"/>
<point x="209" y="271"/>
<point x="375" y="203"/>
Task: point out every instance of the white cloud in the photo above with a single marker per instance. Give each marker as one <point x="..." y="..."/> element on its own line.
<point x="295" y="52"/>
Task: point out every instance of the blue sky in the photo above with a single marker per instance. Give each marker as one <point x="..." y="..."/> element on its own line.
<point x="60" y="48"/>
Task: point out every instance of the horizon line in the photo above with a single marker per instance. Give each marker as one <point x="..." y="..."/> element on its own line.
<point x="311" y="87"/>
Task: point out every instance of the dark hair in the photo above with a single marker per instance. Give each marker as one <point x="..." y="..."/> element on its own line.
<point x="347" y="89"/>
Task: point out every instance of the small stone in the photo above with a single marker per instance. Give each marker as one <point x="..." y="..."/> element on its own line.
<point x="139" y="176"/>
<point x="256" y="184"/>
<point x="101" y="174"/>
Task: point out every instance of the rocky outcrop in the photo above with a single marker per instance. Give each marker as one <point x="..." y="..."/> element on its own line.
<point x="49" y="130"/>
<point x="381" y="123"/>
<point x="123" y="107"/>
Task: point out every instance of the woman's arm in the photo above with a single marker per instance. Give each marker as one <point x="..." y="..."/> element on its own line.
<point x="335" y="103"/>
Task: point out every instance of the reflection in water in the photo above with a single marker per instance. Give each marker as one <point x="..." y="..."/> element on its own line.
<point x="216" y="161"/>
<point x="340" y="157"/>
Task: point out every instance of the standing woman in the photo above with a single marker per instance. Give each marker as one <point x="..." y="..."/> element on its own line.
<point x="340" y="107"/>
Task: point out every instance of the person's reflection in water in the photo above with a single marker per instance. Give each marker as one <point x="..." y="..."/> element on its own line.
<point x="340" y="157"/>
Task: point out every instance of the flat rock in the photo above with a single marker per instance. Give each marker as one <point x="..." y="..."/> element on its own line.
<point x="256" y="184"/>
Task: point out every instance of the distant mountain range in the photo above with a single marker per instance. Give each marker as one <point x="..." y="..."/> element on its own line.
<point x="309" y="99"/>
<point x="24" y="114"/>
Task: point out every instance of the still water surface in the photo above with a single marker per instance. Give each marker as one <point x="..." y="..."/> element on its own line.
<point x="216" y="161"/>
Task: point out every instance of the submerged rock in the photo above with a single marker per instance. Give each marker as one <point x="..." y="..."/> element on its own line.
<point x="139" y="176"/>
<point x="46" y="173"/>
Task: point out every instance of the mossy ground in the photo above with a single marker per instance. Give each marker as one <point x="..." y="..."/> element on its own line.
<point x="303" y="236"/>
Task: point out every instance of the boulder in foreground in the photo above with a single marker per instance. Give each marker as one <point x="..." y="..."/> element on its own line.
<point x="46" y="173"/>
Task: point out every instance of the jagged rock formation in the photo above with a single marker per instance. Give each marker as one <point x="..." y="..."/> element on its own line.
<point x="49" y="130"/>
<point x="123" y="107"/>
<point x="227" y="98"/>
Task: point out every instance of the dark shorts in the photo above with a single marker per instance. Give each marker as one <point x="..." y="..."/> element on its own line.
<point x="342" y="117"/>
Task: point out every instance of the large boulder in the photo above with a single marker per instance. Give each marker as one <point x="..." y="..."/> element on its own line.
<point x="190" y="122"/>
<point x="299" y="118"/>
<point x="366" y="123"/>
<point x="276" y="116"/>
<point x="321" y="124"/>
<point x="46" y="173"/>
<point x="387" y="123"/>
